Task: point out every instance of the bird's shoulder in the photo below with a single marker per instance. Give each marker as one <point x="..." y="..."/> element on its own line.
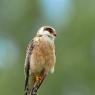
<point x="31" y="45"/>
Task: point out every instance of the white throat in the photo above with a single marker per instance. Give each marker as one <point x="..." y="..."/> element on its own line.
<point x="48" y="38"/>
<point x="46" y="34"/>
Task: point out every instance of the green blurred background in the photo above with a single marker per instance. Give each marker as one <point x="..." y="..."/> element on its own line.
<point x="74" y="21"/>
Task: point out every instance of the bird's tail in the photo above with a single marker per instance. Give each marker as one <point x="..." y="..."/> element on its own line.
<point x="29" y="85"/>
<point x="33" y="85"/>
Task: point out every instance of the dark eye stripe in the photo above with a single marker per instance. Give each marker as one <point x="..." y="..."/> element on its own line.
<point x="49" y="29"/>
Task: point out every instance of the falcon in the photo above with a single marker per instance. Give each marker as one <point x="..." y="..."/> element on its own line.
<point x="40" y="59"/>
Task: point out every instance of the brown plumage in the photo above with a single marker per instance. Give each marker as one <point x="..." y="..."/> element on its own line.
<point x="40" y="58"/>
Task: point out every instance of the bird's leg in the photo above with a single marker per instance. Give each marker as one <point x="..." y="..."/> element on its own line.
<point x="39" y="80"/>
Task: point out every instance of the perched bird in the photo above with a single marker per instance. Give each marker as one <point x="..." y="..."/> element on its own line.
<point x="40" y="59"/>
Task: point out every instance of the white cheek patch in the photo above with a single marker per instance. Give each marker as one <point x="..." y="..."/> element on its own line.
<point x="45" y="33"/>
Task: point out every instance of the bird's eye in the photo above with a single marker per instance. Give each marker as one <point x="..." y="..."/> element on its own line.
<point x="55" y="35"/>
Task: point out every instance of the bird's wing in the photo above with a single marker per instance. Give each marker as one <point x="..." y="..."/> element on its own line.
<point x="27" y="62"/>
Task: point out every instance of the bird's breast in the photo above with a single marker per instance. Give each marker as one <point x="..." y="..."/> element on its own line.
<point x="42" y="56"/>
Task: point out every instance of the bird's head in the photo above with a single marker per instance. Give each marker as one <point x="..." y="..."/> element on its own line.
<point x="47" y="31"/>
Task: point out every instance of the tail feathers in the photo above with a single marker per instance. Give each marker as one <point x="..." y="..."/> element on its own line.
<point x="34" y="89"/>
<point x="26" y="92"/>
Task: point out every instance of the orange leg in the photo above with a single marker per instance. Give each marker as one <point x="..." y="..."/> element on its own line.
<point x="39" y="78"/>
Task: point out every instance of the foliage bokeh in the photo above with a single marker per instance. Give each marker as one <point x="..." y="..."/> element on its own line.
<point x="75" y="44"/>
